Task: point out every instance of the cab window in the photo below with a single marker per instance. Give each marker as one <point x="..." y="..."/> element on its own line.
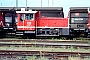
<point x="8" y="17"/>
<point x="29" y="16"/>
<point x="21" y="17"/>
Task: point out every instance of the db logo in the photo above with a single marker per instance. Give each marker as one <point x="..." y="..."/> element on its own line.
<point x="28" y="23"/>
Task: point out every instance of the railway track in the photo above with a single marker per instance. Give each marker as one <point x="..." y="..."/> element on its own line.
<point x="49" y="49"/>
<point x="5" y="54"/>
<point x="43" y="40"/>
<point x="59" y="38"/>
<point x="45" y="43"/>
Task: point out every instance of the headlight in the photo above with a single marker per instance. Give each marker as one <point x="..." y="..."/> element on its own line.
<point x="1" y="23"/>
<point x="7" y="24"/>
<point x="56" y="29"/>
<point x="88" y="24"/>
<point x="40" y="29"/>
<point x="89" y="28"/>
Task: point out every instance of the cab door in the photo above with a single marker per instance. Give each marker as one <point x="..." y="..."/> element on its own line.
<point x="26" y="20"/>
<point x="29" y="21"/>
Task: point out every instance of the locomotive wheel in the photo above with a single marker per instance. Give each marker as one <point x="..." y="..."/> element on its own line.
<point x="76" y="34"/>
<point x="2" y="34"/>
<point x="70" y="37"/>
<point x="88" y="36"/>
<point x="31" y="36"/>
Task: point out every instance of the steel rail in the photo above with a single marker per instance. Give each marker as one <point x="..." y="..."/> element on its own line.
<point x="43" y="40"/>
<point x="37" y="52"/>
<point x="46" y="45"/>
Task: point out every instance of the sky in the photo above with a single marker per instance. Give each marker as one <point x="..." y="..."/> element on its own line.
<point x="66" y="4"/>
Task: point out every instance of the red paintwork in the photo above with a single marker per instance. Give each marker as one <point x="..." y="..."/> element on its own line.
<point x="1" y="19"/>
<point x="52" y="22"/>
<point x="88" y="22"/>
<point x="42" y="22"/>
<point x="24" y="23"/>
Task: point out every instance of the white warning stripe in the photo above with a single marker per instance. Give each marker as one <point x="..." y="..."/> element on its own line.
<point x="39" y="27"/>
<point x="68" y="23"/>
<point x="26" y="11"/>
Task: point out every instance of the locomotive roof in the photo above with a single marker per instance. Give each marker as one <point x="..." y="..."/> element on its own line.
<point x="76" y="8"/>
<point x="30" y="8"/>
<point x="79" y="9"/>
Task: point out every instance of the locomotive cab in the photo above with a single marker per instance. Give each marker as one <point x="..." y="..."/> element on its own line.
<point x="88" y="23"/>
<point x="1" y="25"/>
<point x="78" y="20"/>
<point x="26" y="22"/>
<point x="8" y="21"/>
<point x="1" y="20"/>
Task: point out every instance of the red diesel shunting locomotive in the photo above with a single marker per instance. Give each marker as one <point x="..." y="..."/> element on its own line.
<point x="32" y="23"/>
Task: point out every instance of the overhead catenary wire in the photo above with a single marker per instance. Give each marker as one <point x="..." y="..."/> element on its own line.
<point x="1" y="4"/>
<point x="26" y="5"/>
<point x="41" y="3"/>
<point x="16" y="3"/>
<point x="52" y="2"/>
<point x="48" y="2"/>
